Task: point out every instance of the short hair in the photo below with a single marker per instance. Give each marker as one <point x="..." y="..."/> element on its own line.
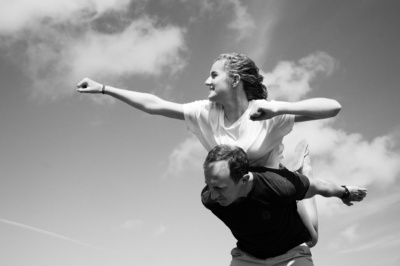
<point x="243" y="66"/>
<point x="236" y="157"/>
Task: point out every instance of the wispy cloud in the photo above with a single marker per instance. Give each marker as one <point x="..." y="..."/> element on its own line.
<point x="242" y="21"/>
<point x="60" y="42"/>
<point x="188" y="155"/>
<point x="31" y="228"/>
<point x="291" y="81"/>
<point x="19" y="14"/>
<point x="348" y="157"/>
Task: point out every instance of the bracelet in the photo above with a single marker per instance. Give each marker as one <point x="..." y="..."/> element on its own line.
<point x="346" y="193"/>
<point x="103" y="89"/>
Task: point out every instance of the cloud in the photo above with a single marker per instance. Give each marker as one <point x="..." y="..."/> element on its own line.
<point x="140" y="48"/>
<point x="242" y="22"/>
<point x="19" y="14"/>
<point x="349" y="158"/>
<point x="291" y="81"/>
<point x="188" y="155"/>
<point x="58" y="43"/>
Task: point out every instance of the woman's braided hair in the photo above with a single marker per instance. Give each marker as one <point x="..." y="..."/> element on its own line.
<point x="243" y="66"/>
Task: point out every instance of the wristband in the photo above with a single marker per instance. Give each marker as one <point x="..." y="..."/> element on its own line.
<point x="346" y="193"/>
<point x="103" y="89"/>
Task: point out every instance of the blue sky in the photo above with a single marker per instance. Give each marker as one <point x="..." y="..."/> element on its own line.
<point x="86" y="180"/>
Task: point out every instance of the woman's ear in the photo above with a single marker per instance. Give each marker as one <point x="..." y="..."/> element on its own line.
<point x="236" y="80"/>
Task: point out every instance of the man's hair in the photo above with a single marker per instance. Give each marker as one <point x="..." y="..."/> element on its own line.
<point x="238" y="162"/>
<point x="243" y="66"/>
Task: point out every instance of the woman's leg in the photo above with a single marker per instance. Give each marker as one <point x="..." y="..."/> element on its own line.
<point x="306" y="208"/>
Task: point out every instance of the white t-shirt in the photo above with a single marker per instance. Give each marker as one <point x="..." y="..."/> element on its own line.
<point x="261" y="140"/>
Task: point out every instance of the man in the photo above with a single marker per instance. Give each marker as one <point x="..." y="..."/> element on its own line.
<point x="260" y="209"/>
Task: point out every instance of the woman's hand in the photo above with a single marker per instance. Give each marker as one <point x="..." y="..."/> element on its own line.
<point x="89" y="86"/>
<point x="263" y="110"/>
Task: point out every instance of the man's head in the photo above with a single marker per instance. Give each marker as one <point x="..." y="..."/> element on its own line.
<point x="226" y="173"/>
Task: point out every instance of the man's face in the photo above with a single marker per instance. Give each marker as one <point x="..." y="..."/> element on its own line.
<point x="222" y="188"/>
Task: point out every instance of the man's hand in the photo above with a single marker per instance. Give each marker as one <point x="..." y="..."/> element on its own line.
<point x="89" y="86"/>
<point x="263" y="110"/>
<point x="356" y="194"/>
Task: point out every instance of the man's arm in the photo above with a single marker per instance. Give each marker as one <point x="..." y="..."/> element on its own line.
<point x="145" y="102"/>
<point x="311" y="109"/>
<point x="328" y="189"/>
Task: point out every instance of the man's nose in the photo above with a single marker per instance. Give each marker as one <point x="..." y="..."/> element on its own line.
<point x="214" y="195"/>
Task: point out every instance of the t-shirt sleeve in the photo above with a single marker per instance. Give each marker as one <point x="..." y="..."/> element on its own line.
<point x="285" y="186"/>
<point x="283" y="123"/>
<point x="299" y="185"/>
<point x="193" y="112"/>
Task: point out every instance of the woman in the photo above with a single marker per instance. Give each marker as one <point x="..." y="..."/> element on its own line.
<point x="235" y="113"/>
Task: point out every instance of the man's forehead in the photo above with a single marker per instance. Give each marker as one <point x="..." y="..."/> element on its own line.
<point x="219" y="167"/>
<point x="217" y="171"/>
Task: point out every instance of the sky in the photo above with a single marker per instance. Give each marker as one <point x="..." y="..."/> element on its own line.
<point x="88" y="180"/>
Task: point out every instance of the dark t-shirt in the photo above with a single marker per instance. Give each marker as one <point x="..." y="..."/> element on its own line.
<point x="266" y="223"/>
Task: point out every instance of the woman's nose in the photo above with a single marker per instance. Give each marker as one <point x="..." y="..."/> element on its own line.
<point x="208" y="81"/>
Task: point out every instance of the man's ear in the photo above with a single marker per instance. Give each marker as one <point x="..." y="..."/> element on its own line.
<point x="246" y="178"/>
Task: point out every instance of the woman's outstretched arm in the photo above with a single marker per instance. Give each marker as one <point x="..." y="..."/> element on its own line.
<point x="306" y="110"/>
<point x="145" y="102"/>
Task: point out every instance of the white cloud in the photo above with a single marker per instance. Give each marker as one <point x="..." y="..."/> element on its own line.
<point x="60" y="42"/>
<point x="291" y="81"/>
<point x="346" y="159"/>
<point x="242" y="21"/>
<point x="188" y="155"/>
<point x="19" y="14"/>
<point x="349" y="158"/>
<point x="140" y="48"/>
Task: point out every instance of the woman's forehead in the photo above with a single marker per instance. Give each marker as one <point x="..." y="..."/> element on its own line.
<point x="218" y="66"/>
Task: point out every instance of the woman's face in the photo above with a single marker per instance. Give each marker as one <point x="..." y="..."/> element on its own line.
<point x="218" y="83"/>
